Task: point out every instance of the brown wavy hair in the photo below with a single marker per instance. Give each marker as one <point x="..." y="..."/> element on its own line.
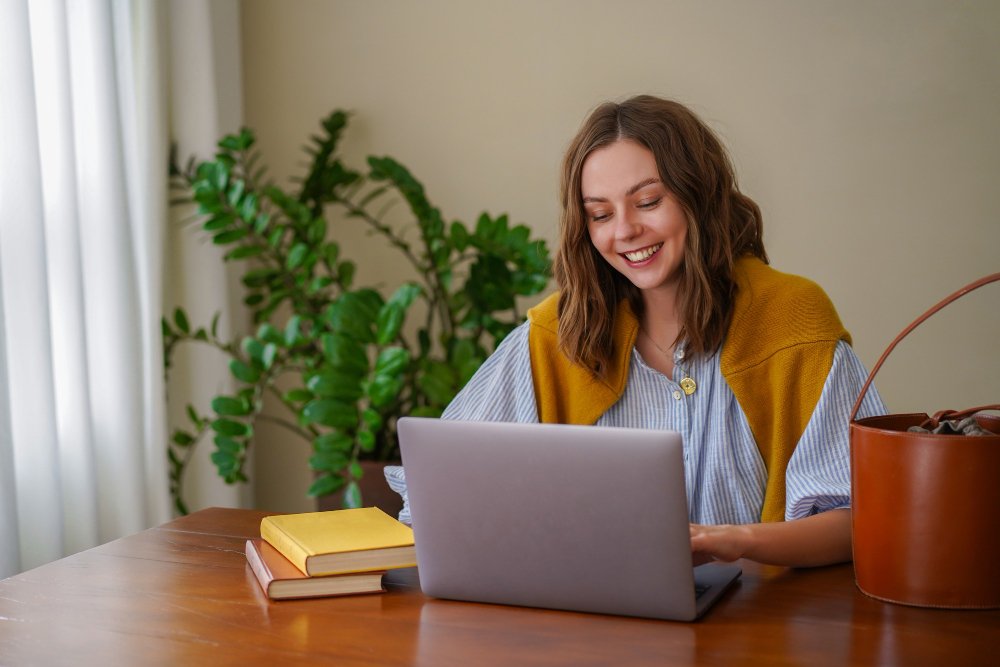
<point x="723" y="224"/>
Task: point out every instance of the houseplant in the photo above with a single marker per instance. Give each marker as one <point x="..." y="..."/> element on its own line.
<point x="337" y="357"/>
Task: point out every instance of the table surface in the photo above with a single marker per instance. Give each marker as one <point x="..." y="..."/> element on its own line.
<point x="182" y="594"/>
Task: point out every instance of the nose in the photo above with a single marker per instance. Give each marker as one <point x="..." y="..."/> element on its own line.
<point x="626" y="226"/>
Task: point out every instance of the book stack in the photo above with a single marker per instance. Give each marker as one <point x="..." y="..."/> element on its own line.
<point x="341" y="552"/>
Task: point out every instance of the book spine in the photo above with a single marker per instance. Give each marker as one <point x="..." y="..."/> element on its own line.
<point x="283" y="542"/>
<point x="259" y="567"/>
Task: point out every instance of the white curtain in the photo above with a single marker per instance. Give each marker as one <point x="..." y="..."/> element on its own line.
<point x="83" y="154"/>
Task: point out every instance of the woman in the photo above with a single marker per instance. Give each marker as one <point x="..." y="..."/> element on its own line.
<point x="668" y="317"/>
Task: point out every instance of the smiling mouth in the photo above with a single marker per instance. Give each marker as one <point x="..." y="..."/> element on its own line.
<point x="643" y="254"/>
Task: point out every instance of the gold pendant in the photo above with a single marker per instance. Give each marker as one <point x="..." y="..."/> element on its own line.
<point x="688" y="385"/>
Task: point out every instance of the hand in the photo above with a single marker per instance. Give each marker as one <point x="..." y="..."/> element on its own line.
<point x="724" y="543"/>
<point x="820" y="539"/>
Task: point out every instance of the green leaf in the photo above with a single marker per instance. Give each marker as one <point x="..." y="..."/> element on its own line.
<point x="269" y="333"/>
<point x="325" y="485"/>
<point x="254" y="349"/>
<point x="344" y="353"/>
<point x="219" y="222"/>
<point x="220" y="175"/>
<point x="333" y="442"/>
<point x="462" y="352"/>
<point x="331" y="251"/>
<point x="352" y="496"/>
<point x="355" y="313"/>
<point x="229" y="445"/>
<point x="438" y="382"/>
<point x="459" y="236"/>
<point x="243" y="372"/>
<point x="298" y="396"/>
<point x="181" y="320"/>
<point x="292" y="329"/>
<point x="260" y="222"/>
<point x="270" y="352"/>
<point x="334" y="384"/>
<point x="193" y="416"/>
<point x="372" y="419"/>
<point x="165" y="328"/>
<point x="244" y="252"/>
<point x="297" y="255"/>
<point x="231" y="428"/>
<point x="319" y="283"/>
<point x="489" y="285"/>
<point x="390" y="321"/>
<point x="405" y="294"/>
<point x="230" y="142"/>
<point x="330" y="412"/>
<point x="236" y="190"/>
<point x="225" y="462"/>
<point x="484" y="227"/>
<point x="393" y="313"/>
<point x="392" y="361"/>
<point x="229" y="406"/>
<point x="317" y="231"/>
<point x="183" y="438"/>
<point x="258" y="277"/>
<point x="345" y="274"/>
<point x="232" y="236"/>
<point x="367" y="441"/>
<point x="248" y="208"/>
<point x="383" y="389"/>
<point x="329" y="461"/>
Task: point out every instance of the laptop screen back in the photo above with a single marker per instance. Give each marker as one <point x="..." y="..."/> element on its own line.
<point x="569" y="517"/>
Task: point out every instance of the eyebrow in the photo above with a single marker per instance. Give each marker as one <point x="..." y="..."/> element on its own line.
<point x="631" y="191"/>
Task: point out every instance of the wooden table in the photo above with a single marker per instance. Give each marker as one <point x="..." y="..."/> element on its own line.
<point x="182" y="594"/>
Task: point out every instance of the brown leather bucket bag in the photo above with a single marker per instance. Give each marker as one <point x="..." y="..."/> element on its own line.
<point x="926" y="507"/>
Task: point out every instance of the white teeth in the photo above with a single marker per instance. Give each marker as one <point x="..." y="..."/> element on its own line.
<point x="645" y="253"/>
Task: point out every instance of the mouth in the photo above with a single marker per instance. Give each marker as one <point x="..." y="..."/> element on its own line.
<point x="641" y="255"/>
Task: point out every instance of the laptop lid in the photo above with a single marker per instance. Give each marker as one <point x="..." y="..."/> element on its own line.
<point x="582" y="518"/>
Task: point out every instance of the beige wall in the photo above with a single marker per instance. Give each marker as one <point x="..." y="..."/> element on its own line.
<point x="867" y="131"/>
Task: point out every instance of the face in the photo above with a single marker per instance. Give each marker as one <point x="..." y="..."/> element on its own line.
<point x="634" y="221"/>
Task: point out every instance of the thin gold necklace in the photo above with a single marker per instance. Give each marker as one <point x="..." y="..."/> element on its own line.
<point x="687" y="382"/>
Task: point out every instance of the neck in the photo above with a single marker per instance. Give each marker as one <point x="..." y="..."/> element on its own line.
<point x="660" y="319"/>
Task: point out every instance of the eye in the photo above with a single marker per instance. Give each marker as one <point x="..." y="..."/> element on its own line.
<point x="651" y="203"/>
<point x="598" y="216"/>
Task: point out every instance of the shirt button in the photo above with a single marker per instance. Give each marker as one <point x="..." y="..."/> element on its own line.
<point x="677" y="395"/>
<point x="680" y="353"/>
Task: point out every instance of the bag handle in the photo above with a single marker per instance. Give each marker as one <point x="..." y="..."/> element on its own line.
<point x="944" y="302"/>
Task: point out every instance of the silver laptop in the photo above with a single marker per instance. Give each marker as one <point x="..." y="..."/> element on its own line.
<point x="583" y="518"/>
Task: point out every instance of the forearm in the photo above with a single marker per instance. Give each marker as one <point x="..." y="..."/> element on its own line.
<point x="821" y="539"/>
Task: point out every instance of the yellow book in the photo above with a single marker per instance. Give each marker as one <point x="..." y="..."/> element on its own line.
<point x="341" y="541"/>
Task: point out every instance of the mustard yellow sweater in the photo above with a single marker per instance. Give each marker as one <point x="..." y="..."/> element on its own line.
<point x="776" y="357"/>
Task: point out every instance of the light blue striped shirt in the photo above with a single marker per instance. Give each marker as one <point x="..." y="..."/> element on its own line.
<point x="724" y="471"/>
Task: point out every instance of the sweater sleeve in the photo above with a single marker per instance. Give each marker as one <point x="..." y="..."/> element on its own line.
<point x="818" y="477"/>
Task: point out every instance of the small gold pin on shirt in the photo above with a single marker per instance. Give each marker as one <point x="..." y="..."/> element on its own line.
<point x="688" y="385"/>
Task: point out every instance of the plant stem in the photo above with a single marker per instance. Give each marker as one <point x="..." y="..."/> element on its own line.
<point x="287" y="424"/>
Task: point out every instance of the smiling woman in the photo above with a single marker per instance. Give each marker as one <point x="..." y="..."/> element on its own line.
<point x="668" y="317"/>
